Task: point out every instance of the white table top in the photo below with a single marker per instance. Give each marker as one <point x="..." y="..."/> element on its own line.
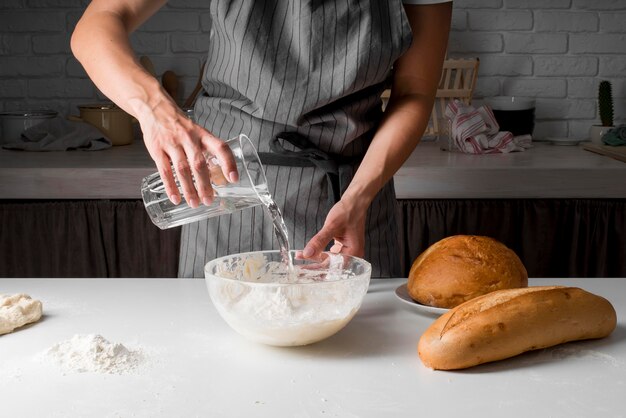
<point x="545" y="171"/>
<point x="199" y="367"/>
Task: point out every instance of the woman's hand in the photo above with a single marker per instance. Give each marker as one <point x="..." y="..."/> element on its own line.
<point x="177" y="145"/>
<point x="101" y="43"/>
<point x="345" y="224"/>
<point x="415" y="81"/>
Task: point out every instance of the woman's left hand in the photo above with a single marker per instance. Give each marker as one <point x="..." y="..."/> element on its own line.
<point x="345" y="224"/>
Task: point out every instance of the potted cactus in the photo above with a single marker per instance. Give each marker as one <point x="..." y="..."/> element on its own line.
<point x="605" y="107"/>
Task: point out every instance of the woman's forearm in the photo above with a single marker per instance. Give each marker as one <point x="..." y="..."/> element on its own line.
<point x="176" y="144"/>
<point x="100" y="42"/>
<point x="397" y="136"/>
<point x="416" y="77"/>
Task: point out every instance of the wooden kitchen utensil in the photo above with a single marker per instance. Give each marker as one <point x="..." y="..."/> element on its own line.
<point x="147" y="64"/>
<point x="192" y="97"/>
<point x="169" y="79"/>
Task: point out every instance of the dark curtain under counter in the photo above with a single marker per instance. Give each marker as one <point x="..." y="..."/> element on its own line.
<point x="553" y="237"/>
<point x="115" y="238"/>
<point x="84" y="238"/>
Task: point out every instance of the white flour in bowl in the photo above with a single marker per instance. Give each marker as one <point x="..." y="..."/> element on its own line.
<point x="288" y="316"/>
<point x="93" y="353"/>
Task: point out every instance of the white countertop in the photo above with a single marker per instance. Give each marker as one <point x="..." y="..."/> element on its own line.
<point x="198" y="367"/>
<point x="545" y="171"/>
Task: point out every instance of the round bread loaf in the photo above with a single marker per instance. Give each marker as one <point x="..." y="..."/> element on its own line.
<point x="462" y="267"/>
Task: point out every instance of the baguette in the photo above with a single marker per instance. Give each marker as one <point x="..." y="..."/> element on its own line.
<point x="509" y="322"/>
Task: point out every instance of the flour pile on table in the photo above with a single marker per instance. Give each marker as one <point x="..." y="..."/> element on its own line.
<point x="93" y="353"/>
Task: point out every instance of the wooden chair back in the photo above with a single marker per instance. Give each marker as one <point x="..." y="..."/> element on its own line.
<point x="458" y="80"/>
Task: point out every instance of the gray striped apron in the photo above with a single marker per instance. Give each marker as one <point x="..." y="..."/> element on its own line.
<point x="312" y="68"/>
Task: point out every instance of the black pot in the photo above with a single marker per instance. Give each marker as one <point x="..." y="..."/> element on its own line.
<point x="514" y="114"/>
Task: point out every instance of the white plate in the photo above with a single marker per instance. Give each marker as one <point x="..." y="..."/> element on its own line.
<point x="565" y="141"/>
<point x="402" y="293"/>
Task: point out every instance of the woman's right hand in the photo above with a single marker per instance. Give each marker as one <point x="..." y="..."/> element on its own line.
<point x="179" y="148"/>
<point x="177" y="145"/>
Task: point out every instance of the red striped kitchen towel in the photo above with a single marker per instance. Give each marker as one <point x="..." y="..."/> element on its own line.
<point x="476" y="131"/>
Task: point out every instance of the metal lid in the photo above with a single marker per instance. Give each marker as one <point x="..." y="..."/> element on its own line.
<point x="30" y="113"/>
<point x="99" y="106"/>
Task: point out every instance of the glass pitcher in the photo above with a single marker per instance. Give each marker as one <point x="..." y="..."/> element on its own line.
<point x="229" y="197"/>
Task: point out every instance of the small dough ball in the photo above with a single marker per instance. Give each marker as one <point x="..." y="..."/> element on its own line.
<point x="18" y="310"/>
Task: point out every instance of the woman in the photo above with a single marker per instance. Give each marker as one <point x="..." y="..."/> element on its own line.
<point x="299" y="75"/>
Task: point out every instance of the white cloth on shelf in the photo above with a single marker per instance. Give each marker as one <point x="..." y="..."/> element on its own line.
<point x="476" y="131"/>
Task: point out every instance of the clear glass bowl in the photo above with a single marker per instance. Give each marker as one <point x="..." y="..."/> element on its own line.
<point x="255" y="295"/>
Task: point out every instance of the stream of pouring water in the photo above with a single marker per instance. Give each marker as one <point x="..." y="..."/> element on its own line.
<point x="280" y="229"/>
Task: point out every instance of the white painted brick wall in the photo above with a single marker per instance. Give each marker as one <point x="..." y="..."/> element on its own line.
<point x="565" y="66"/>
<point x="613" y="66"/>
<point x="554" y="50"/>
<point x="11" y="44"/>
<point x="503" y="20"/>
<point x="537" y="4"/>
<point x="535" y="87"/>
<point x="535" y="43"/>
<point x="37" y="69"/>
<point x="560" y="21"/>
<point x="612" y="22"/>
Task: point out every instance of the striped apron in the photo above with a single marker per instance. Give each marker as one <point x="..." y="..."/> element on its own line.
<point x="314" y="68"/>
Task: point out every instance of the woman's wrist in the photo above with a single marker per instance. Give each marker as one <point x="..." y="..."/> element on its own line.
<point x="356" y="200"/>
<point x="153" y="101"/>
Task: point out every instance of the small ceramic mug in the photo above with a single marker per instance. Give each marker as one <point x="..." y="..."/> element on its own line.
<point x="116" y="124"/>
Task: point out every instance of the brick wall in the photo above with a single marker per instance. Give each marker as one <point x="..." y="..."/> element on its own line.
<point x="37" y="68"/>
<point x="554" y="50"/>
